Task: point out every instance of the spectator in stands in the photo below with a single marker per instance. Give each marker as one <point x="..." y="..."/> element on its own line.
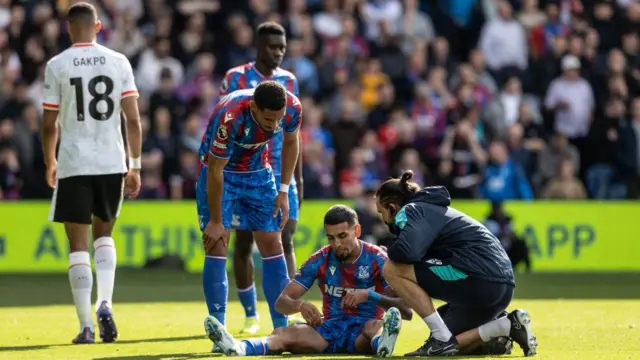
<point x="317" y="170"/>
<point x="478" y="64"/>
<point x="387" y="80"/>
<point x="504" y="110"/>
<point x="441" y="57"/>
<point x="504" y="179"/>
<point x="167" y="97"/>
<point x="302" y="67"/>
<point x="565" y="185"/>
<point x="430" y="121"/>
<point x="629" y="152"/>
<point x="571" y="99"/>
<point x="518" y="151"/>
<point x="550" y="158"/>
<point x="462" y="158"/>
<point x="416" y="26"/>
<point x="381" y="16"/>
<point x="504" y="43"/>
<point x="530" y="16"/>
<point x="602" y="176"/>
<point x="151" y="63"/>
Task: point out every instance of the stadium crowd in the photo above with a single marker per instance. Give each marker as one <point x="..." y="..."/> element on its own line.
<point x="495" y="99"/>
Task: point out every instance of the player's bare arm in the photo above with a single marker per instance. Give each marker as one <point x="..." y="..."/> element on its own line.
<point x="298" y="171"/>
<point x="354" y="298"/>
<point x="215" y="231"/>
<point x="134" y="139"/>
<point x="290" y="152"/>
<point x="290" y="302"/>
<point x="49" y="141"/>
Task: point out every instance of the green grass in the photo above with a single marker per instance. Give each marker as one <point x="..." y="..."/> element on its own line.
<point x="159" y="314"/>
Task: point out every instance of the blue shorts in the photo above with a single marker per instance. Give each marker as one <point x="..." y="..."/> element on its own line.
<point x="341" y="333"/>
<point x="248" y="201"/>
<point x="294" y="204"/>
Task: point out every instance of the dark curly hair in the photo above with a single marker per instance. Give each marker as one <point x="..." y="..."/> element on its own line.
<point x="397" y="191"/>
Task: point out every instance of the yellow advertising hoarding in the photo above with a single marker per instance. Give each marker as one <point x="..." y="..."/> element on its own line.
<point x="563" y="236"/>
<point x="145" y="230"/>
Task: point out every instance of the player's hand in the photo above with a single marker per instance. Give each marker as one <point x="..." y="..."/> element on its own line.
<point x="212" y="234"/>
<point x="311" y="314"/>
<point x="132" y="183"/>
<point x="355" y="298"/>
<point x="282" y="203"/>
<point x="52" y="170"/>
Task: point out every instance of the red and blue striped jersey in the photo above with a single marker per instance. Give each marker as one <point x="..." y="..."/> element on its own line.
<point x="233" y="133"/>
<point x="336" y="278"/>
<point x="247" y="77"/>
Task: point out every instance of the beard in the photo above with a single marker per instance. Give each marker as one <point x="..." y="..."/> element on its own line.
<point x="393" y="228"/>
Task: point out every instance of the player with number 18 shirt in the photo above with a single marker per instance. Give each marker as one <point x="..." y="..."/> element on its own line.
<point x="86" y="87"/>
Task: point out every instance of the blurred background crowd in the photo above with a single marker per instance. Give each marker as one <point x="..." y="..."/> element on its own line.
<point x="495" y="99"/>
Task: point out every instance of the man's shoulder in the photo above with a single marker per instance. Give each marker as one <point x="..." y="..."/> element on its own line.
<point x="235" y="103"/>
<point x="374" y="250"/>
<point x="285" y="74"/>
<point x="110" y="52"/>
<point x="238" y="70"/>
<point x="320" y="254"/>
<point x="293" y="102"/>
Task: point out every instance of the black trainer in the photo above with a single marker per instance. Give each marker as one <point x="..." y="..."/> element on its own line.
<point x="498" y="346"/>
<point x="521" y="332"/>
<point x="435" y="347"/>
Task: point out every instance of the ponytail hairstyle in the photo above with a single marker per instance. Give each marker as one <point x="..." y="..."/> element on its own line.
<point x="395" y="193"/>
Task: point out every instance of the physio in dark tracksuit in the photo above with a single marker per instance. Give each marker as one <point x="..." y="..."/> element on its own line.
<point x="441" y="253"/>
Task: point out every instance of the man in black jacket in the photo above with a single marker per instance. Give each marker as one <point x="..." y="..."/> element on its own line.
<point x="444" y="254"/>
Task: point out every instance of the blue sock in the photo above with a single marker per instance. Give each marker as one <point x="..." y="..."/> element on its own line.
<point x="249" y="299"/>
<point x="255" y="347"/>
<point x="274" y="279"/>
<point x="215" y="285"/>
<point x="375" y="342"/>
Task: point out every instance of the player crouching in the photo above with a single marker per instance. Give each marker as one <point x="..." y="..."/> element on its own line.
<point x="349" y="274"/>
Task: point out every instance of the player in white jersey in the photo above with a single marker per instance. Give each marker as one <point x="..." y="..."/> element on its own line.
<point x="85" y="89"/>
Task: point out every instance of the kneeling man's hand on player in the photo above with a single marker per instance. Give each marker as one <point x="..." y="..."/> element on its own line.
<point x="214" y="233"/>
<point x="311" y="314"/>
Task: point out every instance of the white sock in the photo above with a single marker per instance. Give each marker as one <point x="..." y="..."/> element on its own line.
<point x="495" y="328"/>
<point x="438" y="328"/>
<point x="81" y="280"/>
<point x="105" y="260"/>
<point x="242" y="348"/>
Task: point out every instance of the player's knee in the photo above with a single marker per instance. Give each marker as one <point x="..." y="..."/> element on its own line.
<point x="393" y="270"/>
<point x="243" y="244"/>
<point x="372" y="328"/>
<point x="269" y="243"/>
<point x="287" y="237"/>
<point x="389" y="270"/>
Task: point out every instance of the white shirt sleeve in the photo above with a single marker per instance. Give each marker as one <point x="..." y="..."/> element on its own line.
<point x="51" y="93"/>
<point x="552" y="98"/>
<point x="128" y="83"/>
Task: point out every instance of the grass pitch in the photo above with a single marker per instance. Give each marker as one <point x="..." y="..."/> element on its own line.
<point x="160" y="315"/>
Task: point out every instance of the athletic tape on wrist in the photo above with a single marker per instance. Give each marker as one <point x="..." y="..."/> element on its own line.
<point x="374" y="296"/>
<point x="135" y="163"/>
